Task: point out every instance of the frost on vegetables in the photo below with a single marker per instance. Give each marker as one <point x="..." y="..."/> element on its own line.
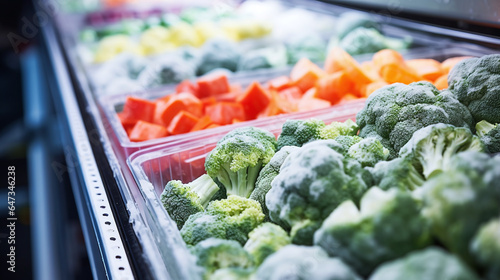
<point x="409" y="191"/>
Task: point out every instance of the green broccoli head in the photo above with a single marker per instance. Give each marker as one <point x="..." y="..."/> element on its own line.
<point x="397" y="173"/>
<point x="264" y="240"/>
<point x="311" y="183"/>
<point x="336" y="129"/>
<point x="241" y="215"/>
<point x="459" y="200"/>
<point x="299" y="132"/>
<point x="490" y="136"/>
<point x="232" y="218"/>
<point x="201" y="226"/>
<point x="213" y="254"/>
<point x="387" y="226"/>
<point x="294" y="262"/>
<point x="369" y="40"/>
<point x="183" y="200"/>
<point x="431" y="148"/>
<point x="431" y="264"/>
<point x="393" y="113"/>
<point x="368" y="152"/>
<point x="238" y="158"/>
<point x="233" y="273"/>
<point x="349" y="21"/>
<point x="266" y="176"/>
<point x="347" y="141"/>
<point x="485" y="248"/>
<point x="476" y="83"/>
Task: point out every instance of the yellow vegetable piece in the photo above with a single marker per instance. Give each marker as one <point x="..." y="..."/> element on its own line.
<point x="155" y="40"/>
<point x="208" y="30"/>
<point x="111" y="46"/>
<point x="184" y="34"/>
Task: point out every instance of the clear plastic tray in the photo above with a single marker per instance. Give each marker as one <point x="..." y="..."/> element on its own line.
<point x="184" y="160"/>
<point x="154" y="167"/>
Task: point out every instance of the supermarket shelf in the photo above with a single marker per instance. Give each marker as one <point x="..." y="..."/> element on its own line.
<point x="98" y="214"/>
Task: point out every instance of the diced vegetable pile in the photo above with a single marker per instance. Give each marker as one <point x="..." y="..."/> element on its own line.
<point x="166" y="49"/>
<point x="212" y="101"/>
<point x="411" y="190"/>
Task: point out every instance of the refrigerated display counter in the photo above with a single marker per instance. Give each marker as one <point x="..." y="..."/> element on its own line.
<point x="117" y="182"/>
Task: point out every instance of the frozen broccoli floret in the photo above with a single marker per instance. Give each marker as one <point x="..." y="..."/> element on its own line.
<point x="271" y="57"/>
<point x="232" y="218"/>
<point x="311" y="183"/>
<point x="430" y="149"/>
<point x="369" y="40"/>
<point x="183" y="200"/>
<point x="218" y="53"/>
<point x="201" y="226"/>
<point x="233" y="273"/>
<point x="299" y="132"/>
<point x="336" y="129"/>
<point x="264" y="240"/>
<point x="368" y="152"/>
<point x="242" y="215"/>
<point x="165" y="70"/>
<point x="459" y="200"/>
<point x="310" y="46"/>
<point x="266" y="176"/>
<point x="397" y="173"/>
<point x="349" y="21"/>
<point x="490" y="136"/>
<point x="476" y="83"/>
<point x="393" y="113"/>
<point x="387" y="226"/>
<point x="430" y="264"/>
<point x="294" y="262"/>
<point x="347" y="141"/>
<point x="485" y="248"/>
<point x="238" y="158"/>
<point x="213" y="254"/>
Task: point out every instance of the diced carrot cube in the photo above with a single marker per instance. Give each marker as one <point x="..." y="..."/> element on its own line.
<point x="143" y="131"/>
<point x="427" y="68"/>
<point x="182" y="122"/>
<point x="279" y="83"/>
<point x="187" y="86"/>
<point x="334" y="86"/>
<point x="136" y="109"/>
<point x="223" y="113"/>
<point x="305" y="74"/>
<point x="212" y="84"/>
<point x="441" y="82"/>
<point x="202" y="123"/>
<point x="449" y="63"/>
<point x="254" y="100"/>
<point x="340" y="60"/>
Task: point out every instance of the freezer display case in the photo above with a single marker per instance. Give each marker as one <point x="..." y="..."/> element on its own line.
<point x="139" y="87"/>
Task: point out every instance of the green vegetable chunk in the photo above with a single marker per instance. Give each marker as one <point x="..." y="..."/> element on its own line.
<point x="397" y="173"/>
<point x="264" y="240"/>
<point x="430" y="264"/>
<point x="232" y="218"/>
<point x="430" y="149"/>
<point x="476" y="83"/>
<point x="393" y="113"/>
<point x="213" y="254"/>
<point x="294" y="262"/>
<point x="233" y="273"/>
<point x="299" y="132"/>
<point x="368" y="152"/>
<point x="490" y="135"/>
<point x="387" y="226"/>
<point x="183" y="200"/>
<point x="311" y="183"/>
<point x="267" y="175"/>
<point x="485" y="248"/>
<point x="238" y="158"/>
<point x="459" y="200"/>
<point x="336" y="129"/>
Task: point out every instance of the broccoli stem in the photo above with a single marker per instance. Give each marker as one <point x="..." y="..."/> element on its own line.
<point x="483" y="127"/>
<point x="431" y="159"/>
<point x="205" y="188"/>
<point x="241" y="182"/>
<point x="415" y="179"/>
